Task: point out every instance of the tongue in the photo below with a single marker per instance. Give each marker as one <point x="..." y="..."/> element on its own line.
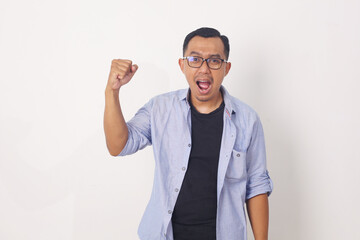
<point x="204" y="85"/>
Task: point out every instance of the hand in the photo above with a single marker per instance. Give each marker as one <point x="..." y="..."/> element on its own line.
<point x="121" y="73"/>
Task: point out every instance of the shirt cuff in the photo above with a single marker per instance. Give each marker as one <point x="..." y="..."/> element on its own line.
<point x="265" y="185"/>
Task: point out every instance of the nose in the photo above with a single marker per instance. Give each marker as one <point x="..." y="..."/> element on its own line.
<point x="204" y="67"/>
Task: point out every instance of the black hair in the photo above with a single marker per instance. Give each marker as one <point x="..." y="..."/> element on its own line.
<point x="207" y="33"/>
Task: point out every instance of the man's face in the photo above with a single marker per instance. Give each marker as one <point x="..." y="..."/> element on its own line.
<point x="204" y="82"/>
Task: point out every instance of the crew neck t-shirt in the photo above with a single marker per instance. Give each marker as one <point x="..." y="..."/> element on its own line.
<point x="194" y="216"/>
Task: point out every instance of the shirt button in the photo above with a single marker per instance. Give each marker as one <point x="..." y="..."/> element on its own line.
<point x="238" y="155"/>
<point x="169" y="212"/>
<point x="183" y="168"/>
<point x="189" y="145"/>
<point x="176" y="189"/>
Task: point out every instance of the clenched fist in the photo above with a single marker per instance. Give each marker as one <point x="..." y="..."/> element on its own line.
<point x="121" y="73"/>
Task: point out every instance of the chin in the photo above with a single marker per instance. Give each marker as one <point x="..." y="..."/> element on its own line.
<point x="203" y="98"/>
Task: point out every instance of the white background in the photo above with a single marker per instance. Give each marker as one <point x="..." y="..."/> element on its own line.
<point x="297" y="63"/>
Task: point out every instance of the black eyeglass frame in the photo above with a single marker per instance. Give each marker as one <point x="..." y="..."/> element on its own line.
<point x="207" y="61"/>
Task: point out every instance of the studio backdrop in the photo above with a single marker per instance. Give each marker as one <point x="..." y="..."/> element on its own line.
<point x="295" y="62"/>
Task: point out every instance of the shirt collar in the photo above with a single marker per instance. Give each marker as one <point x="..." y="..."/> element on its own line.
<point x="228" y="102"/>
<point x="184" y="94"/>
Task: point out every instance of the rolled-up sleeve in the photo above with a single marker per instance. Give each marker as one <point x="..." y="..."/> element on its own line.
<point x="258" y="181"/>
<point x="139" y="129"/>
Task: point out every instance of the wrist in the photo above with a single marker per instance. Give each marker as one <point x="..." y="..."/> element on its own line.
<point x="111" y="92"/>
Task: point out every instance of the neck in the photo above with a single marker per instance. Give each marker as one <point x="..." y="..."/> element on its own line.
<point x="207" y="106"/>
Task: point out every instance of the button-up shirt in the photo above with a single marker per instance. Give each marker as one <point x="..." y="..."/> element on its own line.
<point x="165" y="123"/>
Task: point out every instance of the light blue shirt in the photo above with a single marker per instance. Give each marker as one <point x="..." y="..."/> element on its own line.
<point x="165" y="122"/>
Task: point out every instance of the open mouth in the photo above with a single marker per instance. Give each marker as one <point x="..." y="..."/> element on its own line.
<point x="204" y="86"/>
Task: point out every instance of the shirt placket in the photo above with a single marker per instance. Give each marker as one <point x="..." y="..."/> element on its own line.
<point x="176" y="184"/>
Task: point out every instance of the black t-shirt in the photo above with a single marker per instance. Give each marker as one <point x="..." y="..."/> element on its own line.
<point x="194" y="216"/>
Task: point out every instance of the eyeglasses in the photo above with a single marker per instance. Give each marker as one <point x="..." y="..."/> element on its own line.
<point x="197" y="62"/>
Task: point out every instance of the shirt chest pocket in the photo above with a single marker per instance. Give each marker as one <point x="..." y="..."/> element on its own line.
<point x="237" y="166"/>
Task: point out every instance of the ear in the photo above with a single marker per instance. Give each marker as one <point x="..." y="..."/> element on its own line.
<point x="181" y="64"/>
<point x="227" y="68"/>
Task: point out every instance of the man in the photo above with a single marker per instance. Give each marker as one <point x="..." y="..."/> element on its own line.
<point x="208" y="147"/>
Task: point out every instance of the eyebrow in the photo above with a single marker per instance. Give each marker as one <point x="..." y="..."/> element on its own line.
<point x="211" y="56"/>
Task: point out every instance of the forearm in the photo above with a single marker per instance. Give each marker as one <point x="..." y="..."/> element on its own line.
<point x="258" y="212"/>
<point x="116" y="131"/>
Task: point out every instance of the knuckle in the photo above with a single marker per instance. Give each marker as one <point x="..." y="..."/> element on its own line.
<point x="121" y="64"/>
<point x="127" y="62"/>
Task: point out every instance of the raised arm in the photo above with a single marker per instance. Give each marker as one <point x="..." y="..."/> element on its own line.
<point x="116" y="131"/>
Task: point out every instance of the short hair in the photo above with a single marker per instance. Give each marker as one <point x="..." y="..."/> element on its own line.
<point x="207" y="33"/>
